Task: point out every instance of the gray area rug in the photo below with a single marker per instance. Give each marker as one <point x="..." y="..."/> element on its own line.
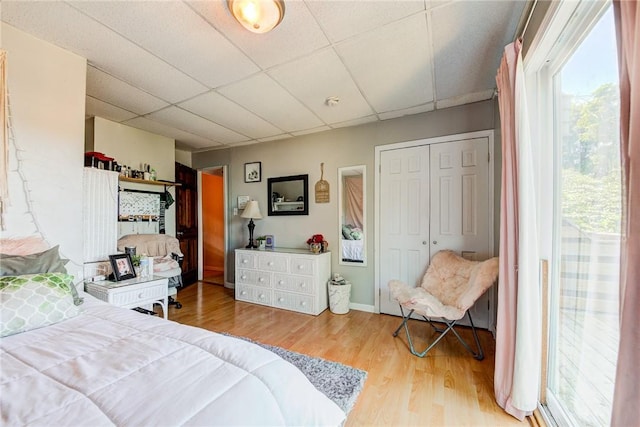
<point x="340" y="383"/>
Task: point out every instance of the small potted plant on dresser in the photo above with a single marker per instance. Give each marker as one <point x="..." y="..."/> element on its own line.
<point x="261" y="240"/>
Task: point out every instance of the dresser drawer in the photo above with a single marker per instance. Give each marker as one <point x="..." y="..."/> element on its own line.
<point x="246" y="260"/>
<point x="253" y="294"/>
<point x="302" y="284"/>
<point x="295" y="302"/>
<point x="254" y="277"/>
<point x="272" y="263"/>
<point x="302" y="266"/>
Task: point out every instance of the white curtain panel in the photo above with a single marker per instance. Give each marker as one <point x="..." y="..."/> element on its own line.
<point x="100" y="214"/>
<point x="528" y="330"/>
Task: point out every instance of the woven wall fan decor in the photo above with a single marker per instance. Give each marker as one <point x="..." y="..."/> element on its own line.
<point x="322" y="188"/>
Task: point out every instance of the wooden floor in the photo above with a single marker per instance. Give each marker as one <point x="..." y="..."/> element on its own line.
<point x="446" y="388"/>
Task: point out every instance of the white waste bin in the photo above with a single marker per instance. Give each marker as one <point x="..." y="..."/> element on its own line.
<point x="339" y="295"/>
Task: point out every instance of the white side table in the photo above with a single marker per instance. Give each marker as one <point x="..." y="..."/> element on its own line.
<point x="133" y="292"/>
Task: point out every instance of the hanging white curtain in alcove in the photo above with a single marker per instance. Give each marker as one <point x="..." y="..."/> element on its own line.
<point x="100" y="214"/>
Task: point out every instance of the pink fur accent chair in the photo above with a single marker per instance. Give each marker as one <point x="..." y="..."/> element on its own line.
<point x="449" y="288"/>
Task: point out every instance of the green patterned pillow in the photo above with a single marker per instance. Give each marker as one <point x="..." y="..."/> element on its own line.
<point x="35" y="300"/>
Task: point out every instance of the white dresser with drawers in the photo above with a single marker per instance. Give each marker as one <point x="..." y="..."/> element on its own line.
<point x="291" y="279"/>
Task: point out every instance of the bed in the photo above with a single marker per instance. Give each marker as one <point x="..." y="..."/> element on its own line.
<point x="352" y="243"/>
<point x="106" y="365"/>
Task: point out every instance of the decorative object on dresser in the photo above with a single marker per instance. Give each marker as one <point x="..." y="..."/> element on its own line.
<point x="252" y="211"/>
<point x="291" y="279"/>
<point x="132" y="293"/>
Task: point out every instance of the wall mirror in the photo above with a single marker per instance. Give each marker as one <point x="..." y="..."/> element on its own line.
<point x="352" y="213"/>
<point x="288" y="195"/>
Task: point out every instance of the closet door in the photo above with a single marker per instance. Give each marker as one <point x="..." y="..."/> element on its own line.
<point x="433" y="197"/>
<point x="404" y="219"/>
<point x="459" y="214"/>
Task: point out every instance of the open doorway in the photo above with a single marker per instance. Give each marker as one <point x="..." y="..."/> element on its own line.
<point x="213" y="226"/>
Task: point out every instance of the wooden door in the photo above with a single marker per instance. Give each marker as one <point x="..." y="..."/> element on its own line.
<point x="187" y="220"/>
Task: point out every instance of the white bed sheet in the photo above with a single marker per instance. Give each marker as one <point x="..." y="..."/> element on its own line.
<point x="353" y="249"/>
<point x="112" y="366"/>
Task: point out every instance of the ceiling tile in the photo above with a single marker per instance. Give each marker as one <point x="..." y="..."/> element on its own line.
<point x="109" y="89"/>
<point x="70" y="29"/>
<point x="274" y="104"/>
<point x="174" y="32"/>
<point x="189" y="122"/>
<point x="185" y="138"/>
<point x="96" y="107"/>
<point x="217" y="108"/>
<point x="297" y="35"/>
<point x="343" y="19"/>
<point x="392" y="65"/>
<point x="334" y="80"/>
<point x="478" y="44"/>
<point x="309" y="131"/>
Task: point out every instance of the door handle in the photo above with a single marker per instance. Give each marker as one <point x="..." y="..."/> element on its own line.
<point x="180" y="233"/>
<point x="435" y="242"/>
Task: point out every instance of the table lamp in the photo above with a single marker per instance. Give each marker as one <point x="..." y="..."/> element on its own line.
<point x="251" y="211"/>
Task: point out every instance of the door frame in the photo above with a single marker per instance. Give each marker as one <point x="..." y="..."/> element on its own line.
<point x="225" y="192"/>
<point x="377" y="199"/>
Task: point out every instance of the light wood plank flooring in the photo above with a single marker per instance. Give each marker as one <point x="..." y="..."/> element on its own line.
<point x="446" y="388"/>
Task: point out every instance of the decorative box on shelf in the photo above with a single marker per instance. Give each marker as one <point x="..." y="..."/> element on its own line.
<point x="291" y="279"/>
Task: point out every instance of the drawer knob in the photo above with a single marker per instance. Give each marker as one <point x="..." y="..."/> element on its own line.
<point x="301" y="267"/>
<point x="243" y="293"/>
<point x="243" y="277"/>
<point x="281" y="282"/>
<point x="261" y="296"/>
<point x="261" y="279"/>
<point x="140" y="295"/>
<point x="303" y="285"/>
<point x="270" y="263"/>
<point x="244" y="261"/>
<point x="281" y="299"/>
<point x="303" y="303"/>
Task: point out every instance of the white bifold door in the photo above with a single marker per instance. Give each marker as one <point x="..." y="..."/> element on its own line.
<point x="434" y="197"/>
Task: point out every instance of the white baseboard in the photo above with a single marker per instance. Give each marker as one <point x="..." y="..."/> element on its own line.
<point x="361" y="307"/>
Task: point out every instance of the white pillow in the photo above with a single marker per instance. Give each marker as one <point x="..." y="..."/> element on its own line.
<point x="35" y="300"/>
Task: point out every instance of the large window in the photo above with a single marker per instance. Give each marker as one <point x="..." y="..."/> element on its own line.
<point x="581" y="80"/>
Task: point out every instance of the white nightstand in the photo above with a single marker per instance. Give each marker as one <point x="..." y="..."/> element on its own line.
<point x="132" y="293"/>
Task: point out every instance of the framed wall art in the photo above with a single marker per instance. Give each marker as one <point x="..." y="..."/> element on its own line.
<point x="253" y="172"/>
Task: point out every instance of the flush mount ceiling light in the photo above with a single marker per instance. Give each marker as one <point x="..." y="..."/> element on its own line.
<point x="257" y="16"/>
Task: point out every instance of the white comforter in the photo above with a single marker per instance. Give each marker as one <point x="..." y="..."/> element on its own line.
<point x="115" y="366"/>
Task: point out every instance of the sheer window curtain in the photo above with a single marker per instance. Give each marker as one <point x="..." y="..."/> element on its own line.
<point x="4" y="143"/>
<point x="626" y="398"/>
<point x="517" y="360"/>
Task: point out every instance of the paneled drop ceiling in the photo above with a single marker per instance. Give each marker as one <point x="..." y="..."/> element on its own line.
<point x="189" y="71"/>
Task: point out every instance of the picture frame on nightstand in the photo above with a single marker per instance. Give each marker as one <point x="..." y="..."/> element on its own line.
<point x="122" y="266"/>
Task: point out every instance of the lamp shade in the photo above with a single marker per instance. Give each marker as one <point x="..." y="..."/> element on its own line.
<point x="257" y="16"/>
<point x="252" y="210"/>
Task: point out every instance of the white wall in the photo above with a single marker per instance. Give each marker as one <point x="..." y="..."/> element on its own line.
<point x="183" y="157"/>
<point x="336" y="148"/>
<point x="131" y="147"/>
<point x="47" y="100"/>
